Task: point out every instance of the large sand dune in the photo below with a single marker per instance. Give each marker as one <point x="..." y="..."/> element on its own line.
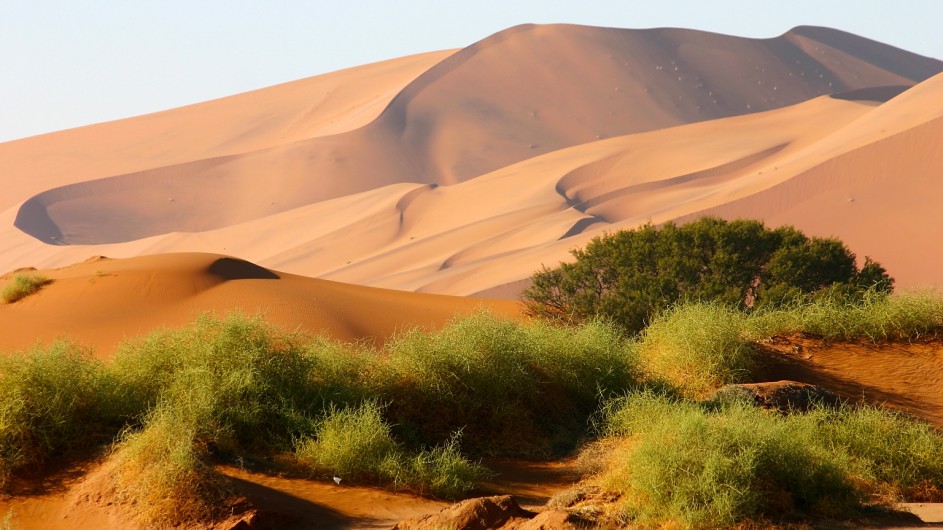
<point x="462" y="172"/>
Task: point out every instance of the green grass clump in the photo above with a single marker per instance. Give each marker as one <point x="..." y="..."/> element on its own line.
<point x="901" y="455"/>
<point x="441" y="471"/>
<point x="699" y="465"/>
<point x="52" y="401"/>
<point x="692" y="468"/>
<point x="901" y="316"/>
<point x="22" y="286"/>
<point x="162" y="472"/>
<point x="356" y="443"/>
<point x="496" y="380"/>
<point x="223" y="387"/>
<point x="352" y="443"/>
<point x="698" y="347"/>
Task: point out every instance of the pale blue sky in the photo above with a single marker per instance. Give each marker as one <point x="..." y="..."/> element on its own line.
<point x="68" y="63"/>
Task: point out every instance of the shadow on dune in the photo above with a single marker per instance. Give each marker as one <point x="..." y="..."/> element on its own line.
<point x="880" y="94"/>
<point x="777" y="366"/>
<point x="237" y="269"/>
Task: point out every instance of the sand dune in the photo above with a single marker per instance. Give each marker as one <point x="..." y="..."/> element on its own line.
<point x="521" y="92"/>
<point x="462" y="172"/>
<point x="101" y="302"/>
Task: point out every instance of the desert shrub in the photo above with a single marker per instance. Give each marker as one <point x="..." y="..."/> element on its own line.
<point x="441" y="471"/>
<point x="632" y="275"/>
<point x="246" y="384"/>
<point x="698" y="347"/>
<point x="897" y="452"/>
<point x="693" y="468"/>
<point x="220" y="386"/>
<point x="51" y="402"/>
<point x="901" y="316"/>
<point x="357" y="443"/>
<point x="352" y="443"/>
<point x="712" y="465"/>
<point x="161" y="471"/>
<point x="22" y="286"/>
<point x="493" y="379"/>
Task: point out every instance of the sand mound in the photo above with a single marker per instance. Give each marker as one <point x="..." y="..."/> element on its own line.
<point x="102" y="302"/>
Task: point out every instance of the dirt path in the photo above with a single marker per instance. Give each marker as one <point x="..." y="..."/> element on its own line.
<point x="74" y="499"/>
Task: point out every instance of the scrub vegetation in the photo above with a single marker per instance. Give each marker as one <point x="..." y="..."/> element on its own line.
<point x="419" y="413"/>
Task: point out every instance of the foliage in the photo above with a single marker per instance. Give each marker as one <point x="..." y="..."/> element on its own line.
<point x="693" y="465"/>
<point x="631" y="276"/>
<point x="698" y="347"/>
<point x="52" y="401"/>
<point x="492" y="379"/>
<point x="356" y="443"/>
<point x="916" y="315"/>
<point x="22" y="286"/>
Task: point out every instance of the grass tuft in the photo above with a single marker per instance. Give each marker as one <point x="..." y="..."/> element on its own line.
<point x="22" y="286"/>
<point x="161" y="472"/>
<point x="356" y="444"/>
<point x="906" y="316"/>
<point x="696" y="465"/>
<point x="353" y="443"/>
<point x="51" y="402"/>
<point x="492" y="379"/>
<point x="698" y="347"/>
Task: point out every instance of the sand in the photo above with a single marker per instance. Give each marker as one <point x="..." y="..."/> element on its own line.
<point x="460" y="172"/>
<point x="353" y="204"/>
<point x="102" y="302"/>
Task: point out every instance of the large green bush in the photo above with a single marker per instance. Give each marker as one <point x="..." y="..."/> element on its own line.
<point x="632" y="275"/>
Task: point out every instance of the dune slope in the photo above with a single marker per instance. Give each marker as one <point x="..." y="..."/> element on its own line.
<point x="523" y="91"/>
<point x="101" y="302"/>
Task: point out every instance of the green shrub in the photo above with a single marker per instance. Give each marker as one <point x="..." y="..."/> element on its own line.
<point x="493" y="378"/>
<point x="356" y="443"/>
<point x="161" y="471"/>
<point x="901" y="454"/>
<point x="22" y="286"/>
<point x="633" y="275"/>
<point x="51" y="402"/>
<point x="698" y="347"/>
<point x="699" y="465"/>
<point x="353" y="443"/>
<point x="698" y="469"/>
<point x="901" y="316"/>
<point x="441" y="471"/>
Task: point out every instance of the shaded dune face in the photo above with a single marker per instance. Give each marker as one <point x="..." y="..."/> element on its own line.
<point x="239" y="269"/>
<point x="520" y="93"/>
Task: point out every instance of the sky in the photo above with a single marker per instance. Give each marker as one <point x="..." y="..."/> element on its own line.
<point x="67" y="63"/>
